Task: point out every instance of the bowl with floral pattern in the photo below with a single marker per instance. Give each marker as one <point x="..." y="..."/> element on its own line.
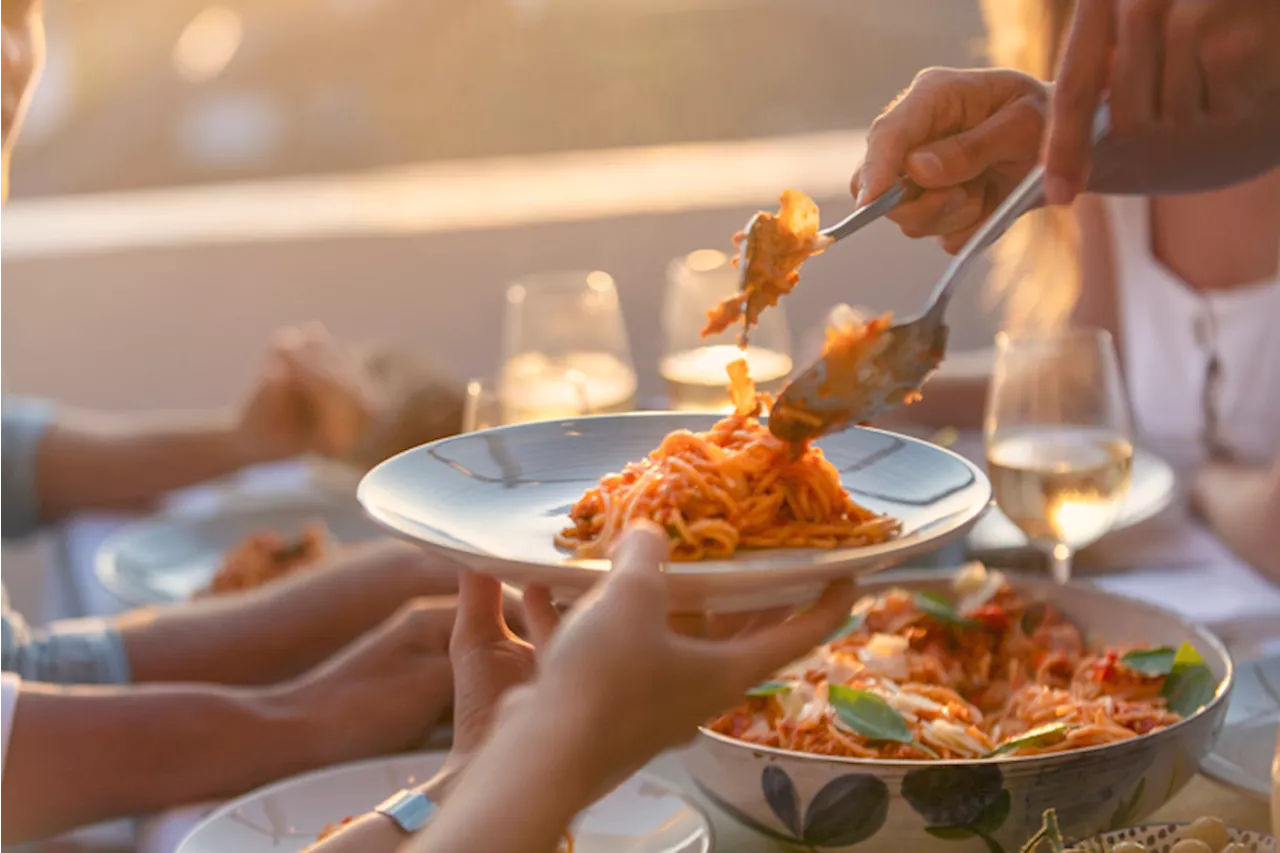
<point x="990" y="804"/>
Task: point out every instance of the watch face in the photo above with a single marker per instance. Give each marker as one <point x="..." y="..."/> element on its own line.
<point x="410" y="809"/>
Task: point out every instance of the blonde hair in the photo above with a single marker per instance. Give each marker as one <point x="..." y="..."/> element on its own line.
<point x="1036" y="270"/>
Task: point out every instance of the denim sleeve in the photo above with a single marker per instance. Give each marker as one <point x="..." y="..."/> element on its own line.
<point x="22" y="424"/>
<point x="70" y="651"/>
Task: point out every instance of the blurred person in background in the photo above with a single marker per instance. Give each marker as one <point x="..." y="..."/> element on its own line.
<point x="23" y="56"/>
<point x="161" y="707"/>
<point x="1188" y="284"/>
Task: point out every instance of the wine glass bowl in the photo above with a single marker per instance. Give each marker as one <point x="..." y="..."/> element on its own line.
<point x="693" y="366"/>
<point x="565" y="349"/>
<point x="1059" y="439"/>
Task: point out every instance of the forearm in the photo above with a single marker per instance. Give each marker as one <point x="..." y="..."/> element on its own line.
<point x="376" y="833"/>
<point x="103" y="461"/>
<point x="1158" y="162"/>
<point x="522" y="806"/>
<point x="84" y="754"/>
<point x="285" y="628"/>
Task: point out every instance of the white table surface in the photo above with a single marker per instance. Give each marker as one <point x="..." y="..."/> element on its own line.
<point x="1171" y="562"/>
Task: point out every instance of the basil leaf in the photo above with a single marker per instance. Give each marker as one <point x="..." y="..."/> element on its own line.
<point x="853" y="623"/>
<point x="868" y="714"/>
<point x="769" y="688"/>
<point x="872" y="717"/>
<point x="937" y="606"/>
<point x="1190" y="684"/>
<point x="1046" y="735"/>
<point x="1158" y="661"/>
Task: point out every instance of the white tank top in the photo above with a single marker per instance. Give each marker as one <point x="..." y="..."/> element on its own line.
<point x="1170" y="336"/>
<point x="1202" y="369"/>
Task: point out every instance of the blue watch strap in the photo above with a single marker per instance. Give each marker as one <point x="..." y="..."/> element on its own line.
<point x="409" y="809"/>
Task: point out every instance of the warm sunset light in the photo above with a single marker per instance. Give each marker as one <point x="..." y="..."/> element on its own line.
<point x="208" y="44"/>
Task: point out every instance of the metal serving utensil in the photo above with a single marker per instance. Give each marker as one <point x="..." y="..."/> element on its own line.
<point x="856" y="221"/>
<point x="822" y="399"/>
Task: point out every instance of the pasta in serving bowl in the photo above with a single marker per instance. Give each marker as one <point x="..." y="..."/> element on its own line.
<point x="960" y="738"/>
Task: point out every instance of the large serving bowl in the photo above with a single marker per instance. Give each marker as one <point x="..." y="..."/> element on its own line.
<point x="820" y="802"/>
<point x="494" y="501"/>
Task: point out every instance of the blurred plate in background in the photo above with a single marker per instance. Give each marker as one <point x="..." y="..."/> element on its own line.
<point x="643" y="815"/>
<point x="171" y="556"/>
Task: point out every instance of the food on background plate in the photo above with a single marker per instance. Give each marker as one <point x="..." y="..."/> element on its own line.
<point x="978" y="674"/>
<point x="773" y="248"/>
<point x="264" y="557"/>
<point x="334" y="828"/>
<point x="733" y="486"/>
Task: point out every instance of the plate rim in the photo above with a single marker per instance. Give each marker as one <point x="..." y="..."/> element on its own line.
<point x="817" y="560"/>
<point x="707" y="838"/>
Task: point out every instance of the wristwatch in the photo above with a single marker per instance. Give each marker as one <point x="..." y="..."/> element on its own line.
<point x="410" y="810"/>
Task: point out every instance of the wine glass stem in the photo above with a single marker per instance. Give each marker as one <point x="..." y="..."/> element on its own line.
<point x="1060" y="563"/>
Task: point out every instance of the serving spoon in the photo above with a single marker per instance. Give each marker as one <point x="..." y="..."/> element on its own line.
<point x="825" y="397"/>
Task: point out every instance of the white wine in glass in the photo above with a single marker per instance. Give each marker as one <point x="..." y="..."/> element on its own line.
<point x="693" y="366"/>
<point x="1059" y="441"/>
<point x="566" y="351"/>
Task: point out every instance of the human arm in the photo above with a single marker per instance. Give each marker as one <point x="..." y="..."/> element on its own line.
<point x="283" y="628"/>
<point x="615" y="686"/>
<point x="589" y="720"/>
<point x="310" y="396"/>
<point x="967" y="137"/>
<point x="1194" y="89"/>
<point x="23" y="58"/>
<point x="83" y="754"/>
<point x="96" y="460"/>
<point x="1241" y="504"/>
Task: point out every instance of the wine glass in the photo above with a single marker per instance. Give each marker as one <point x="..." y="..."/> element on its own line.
<point x="481" y="407"/>
<point x="693" y="366"/>
<point x="565" y="348"/>
<point x="1059" y="439"/>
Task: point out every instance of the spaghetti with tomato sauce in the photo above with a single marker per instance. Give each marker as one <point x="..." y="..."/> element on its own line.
<point x="991" y="674"/>
<point x="734" y="486"/>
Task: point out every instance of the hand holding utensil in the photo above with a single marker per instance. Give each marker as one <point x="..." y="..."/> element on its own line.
<point x="821" y="400"/>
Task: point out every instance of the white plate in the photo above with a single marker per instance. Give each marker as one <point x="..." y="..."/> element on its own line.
<point x="495" y="500"/>
<point x="1243" y="754"/>
<point x="644" y="815"/>
<point x="171" y="556"/>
